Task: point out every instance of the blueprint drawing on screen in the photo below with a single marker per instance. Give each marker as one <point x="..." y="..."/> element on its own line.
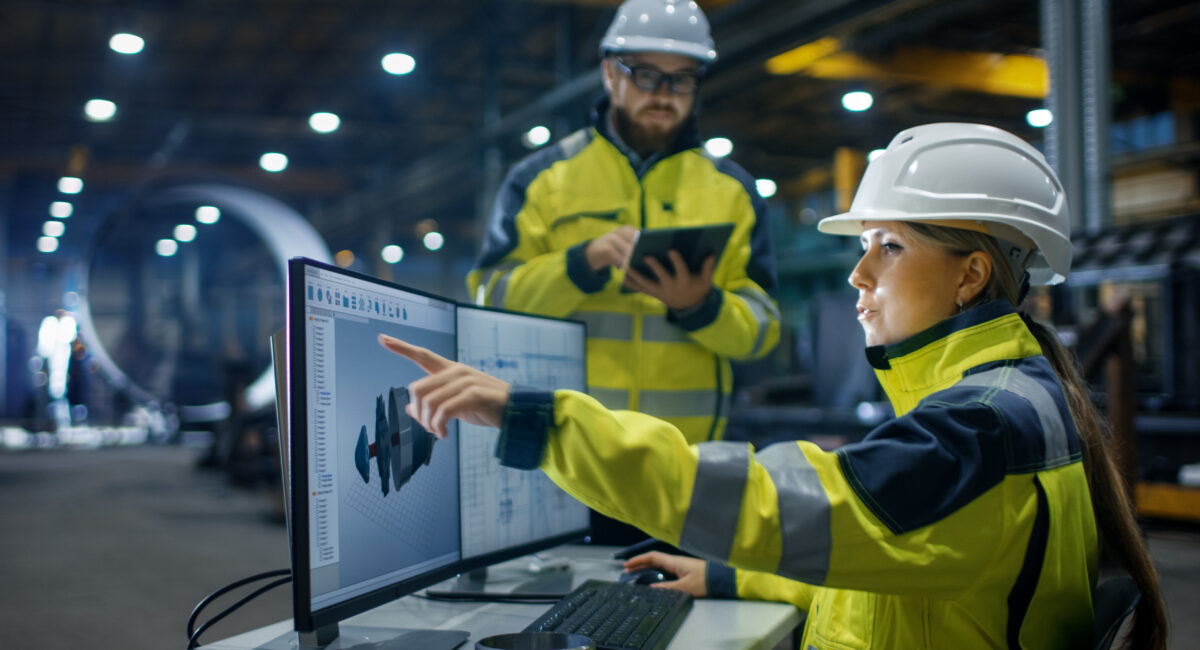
<point x="398" y="491"/>
<point x="502" y="507"/>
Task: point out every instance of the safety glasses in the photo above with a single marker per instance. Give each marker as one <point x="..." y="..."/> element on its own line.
<point x="651" y="79"/>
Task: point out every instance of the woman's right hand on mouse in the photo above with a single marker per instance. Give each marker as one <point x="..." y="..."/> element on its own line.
<point x="692" y="572"/>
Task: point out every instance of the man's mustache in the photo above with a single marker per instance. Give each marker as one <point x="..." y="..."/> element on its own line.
<point x="660" y="107"/>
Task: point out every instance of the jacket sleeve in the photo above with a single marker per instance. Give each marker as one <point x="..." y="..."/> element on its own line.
<point x="789" y="509"/>
<point x="739" y="319"/>
<point x="518" y="269"/>
<point x="727" y="582"/>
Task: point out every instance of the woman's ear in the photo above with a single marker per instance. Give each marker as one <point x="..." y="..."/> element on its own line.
<point x="976" y="271"/>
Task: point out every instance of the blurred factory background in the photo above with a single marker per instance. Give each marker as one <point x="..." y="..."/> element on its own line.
<point x="159" y="159"/>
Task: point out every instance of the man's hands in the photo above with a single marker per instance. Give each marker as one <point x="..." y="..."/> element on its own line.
<point x="611" y="249"/>
<point x="678" y="289"/>
<point x="452" y="390"/>
<point x="691" y="572"/>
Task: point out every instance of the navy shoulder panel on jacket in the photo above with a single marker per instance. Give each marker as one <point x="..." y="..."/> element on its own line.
<point x="761" y="267"/>
<point x="1002" y="418"/>
<point x="502" y="234"/>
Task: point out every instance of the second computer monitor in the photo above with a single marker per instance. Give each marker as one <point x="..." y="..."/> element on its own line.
<point x="504" y="509"/>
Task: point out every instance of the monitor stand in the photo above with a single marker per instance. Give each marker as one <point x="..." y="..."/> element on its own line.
<point x="361" y="637"/>
<point x="509" y="585"/>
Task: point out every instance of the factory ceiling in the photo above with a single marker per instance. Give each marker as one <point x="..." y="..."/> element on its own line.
<point x="220" y="82"/>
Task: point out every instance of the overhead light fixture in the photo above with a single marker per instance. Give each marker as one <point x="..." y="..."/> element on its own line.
<point x="433" y="240"/>
<point x="536" y="137"/>
<point x="718" y="147"/>
<point x="53" y="229"/>
<point x="857" y="101"/>
<point x="47" y="244"/>
<point x="324" y="122"/>
<point x="166" y="247"/>
<point x="208" y="214"/>
<point x="99" y="110"/>
<point x="392" y="253"/>
<point x="185" y="232"/>
<point x="1039" y="117"/>
<point x="126" y="43"/>
<point x="61" y="209"/>
<point x="344" y="258"/>
<point x="766" y="187"/>
<point x="273" y="162"/>
<point x="70" y="185"/>
<point x="398" y="63"/>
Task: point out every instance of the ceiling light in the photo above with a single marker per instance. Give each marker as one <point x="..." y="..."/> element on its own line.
<point x="433" y="240"/>
<point x="766" y="187"/>
<point x="166" y="247"/>
<point x="344" y="258"/>
<point x="126" y="43"/>
<point x="399" y="63"/>
<point x="1039" y="117"/>
<point x="208" y="214"/>
<point x="47" y="244"/>
<point x="718" y="147"/>
<point x="324" y="122"/>
<point x="273" y="162"/>
<point x="99" y="110"/>
<point x="185" y="232"/>
<point x="536" y="137"/>
<point x="874" y="153"/>
<point x="70" y="185"/>
<point x="61" y="209"/>
<point x="53" y="229"/>
<point x="857" y="101"/>
<point x="392" y="253"/>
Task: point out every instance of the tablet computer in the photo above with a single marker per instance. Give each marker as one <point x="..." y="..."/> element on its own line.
<point x="694" y="243"/>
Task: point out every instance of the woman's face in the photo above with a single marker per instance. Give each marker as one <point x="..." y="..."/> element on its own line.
<point x="905" y="285"/>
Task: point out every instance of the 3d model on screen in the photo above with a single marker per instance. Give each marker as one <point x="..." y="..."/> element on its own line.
<point x="400" y="446"/>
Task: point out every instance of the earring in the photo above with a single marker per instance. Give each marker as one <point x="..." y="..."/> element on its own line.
<point x="960" y="306"/>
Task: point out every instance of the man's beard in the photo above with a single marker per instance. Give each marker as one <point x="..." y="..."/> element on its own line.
<point x="642" y="140"/>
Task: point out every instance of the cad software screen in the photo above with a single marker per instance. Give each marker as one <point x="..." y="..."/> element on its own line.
<point x="503" y="507"/>
<point x="383" y="502"/>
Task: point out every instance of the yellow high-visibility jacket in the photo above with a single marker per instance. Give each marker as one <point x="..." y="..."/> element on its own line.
<point x="965" y="522"/>
<point x="640" y="357"/>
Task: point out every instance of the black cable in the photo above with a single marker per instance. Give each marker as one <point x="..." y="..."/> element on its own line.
<point x="193" y="634"/>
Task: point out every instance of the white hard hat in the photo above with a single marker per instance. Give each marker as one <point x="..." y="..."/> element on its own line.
<point x="673" y="26"/>
<point x="970" y="176"/>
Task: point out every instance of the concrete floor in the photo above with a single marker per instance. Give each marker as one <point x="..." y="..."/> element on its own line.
<point x="113" y="547"/>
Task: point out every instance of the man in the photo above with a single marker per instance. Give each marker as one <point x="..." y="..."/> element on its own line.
<point x="566" y="219"/>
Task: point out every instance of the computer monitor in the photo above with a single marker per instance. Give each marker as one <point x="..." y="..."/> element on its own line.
<point x="379" y="508"/>
<point x="504" y="510"/>
<point x="375" y="498"/>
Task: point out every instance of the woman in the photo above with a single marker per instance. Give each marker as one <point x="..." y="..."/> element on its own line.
<point x="972" y="519"/>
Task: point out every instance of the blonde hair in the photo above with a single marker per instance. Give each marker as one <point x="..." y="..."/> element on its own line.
<point x="1120" y="536"/>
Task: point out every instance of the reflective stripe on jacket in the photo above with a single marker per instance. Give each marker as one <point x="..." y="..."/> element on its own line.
<point x="640" y="357"/>
<point x="965" y="522"/>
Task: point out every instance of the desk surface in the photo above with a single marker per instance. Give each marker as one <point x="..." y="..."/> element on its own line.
<point x="715" y="624"/>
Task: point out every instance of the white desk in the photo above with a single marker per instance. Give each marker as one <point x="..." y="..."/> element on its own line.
<point x="711" y="624"/>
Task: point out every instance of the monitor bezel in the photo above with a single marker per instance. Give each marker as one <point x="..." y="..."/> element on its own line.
<point x="305" y="617"/>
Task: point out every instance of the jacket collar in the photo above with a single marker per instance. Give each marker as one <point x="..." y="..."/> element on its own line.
<point x="936" y="359"/>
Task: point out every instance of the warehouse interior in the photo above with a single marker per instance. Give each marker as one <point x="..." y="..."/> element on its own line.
<point x="145" y="193"/>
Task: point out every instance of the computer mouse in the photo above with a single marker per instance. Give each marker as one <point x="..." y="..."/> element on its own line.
<point x="647" y="576"/>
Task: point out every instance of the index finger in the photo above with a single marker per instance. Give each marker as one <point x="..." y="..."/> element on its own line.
<point x="429" y="361"/>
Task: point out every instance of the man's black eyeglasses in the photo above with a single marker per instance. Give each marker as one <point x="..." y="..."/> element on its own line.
<point x="650" y="79"/>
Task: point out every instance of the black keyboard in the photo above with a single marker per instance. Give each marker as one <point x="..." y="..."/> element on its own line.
<point x="618" y="615"/>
